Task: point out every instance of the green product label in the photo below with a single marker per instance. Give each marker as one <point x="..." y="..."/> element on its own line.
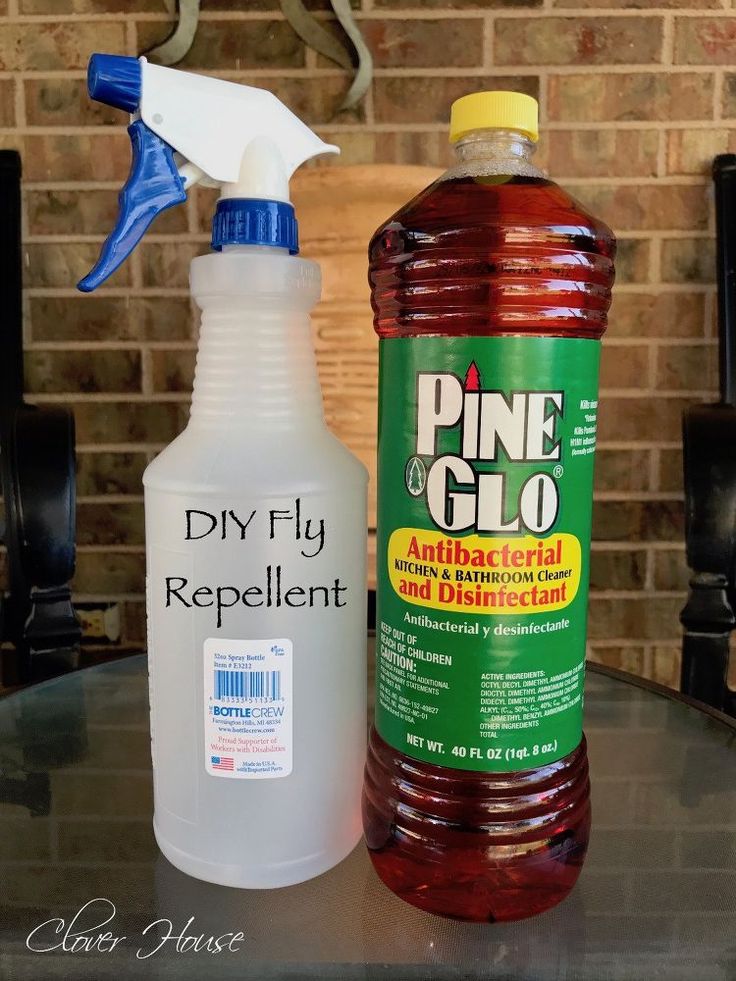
<point x="485" y="496"/>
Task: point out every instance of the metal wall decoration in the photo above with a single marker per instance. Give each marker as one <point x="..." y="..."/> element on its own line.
<point x="353" y="56"/>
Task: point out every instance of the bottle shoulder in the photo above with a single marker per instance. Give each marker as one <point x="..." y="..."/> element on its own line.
<point x="502" y="203"/>
<point x="492" y="254"/>
<point x="258" y="275"/>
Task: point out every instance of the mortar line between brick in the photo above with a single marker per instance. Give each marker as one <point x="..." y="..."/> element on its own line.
<point x="147" y="387"/>
<point x="604" y="545"/>
<point x="270" y="16"/>
<point x="197" y="236"/>
<point x="655" y="260"/>
<point x="671" y="287"/>
<point x="409" y="127"/>
<point x="664" y="285"/>
<point x="639" y="496"/>
<point x="110" y="499"/>
<point x="640" y="393"/>
<point x="649" y="571"/>
<point x="193" y="222"/>
<point x="141" y="446"/>
<point x="189" y="237"/>
<point x="148" y="292"/>
<point x="709" y="317"/>
<point x="19" y="104"/>
<point x="543" y="99"/>
<point x="647" y="68"/>
<point x="648" y="667"/>
<point x="202" y="238"/>
<point x="718" y="88"/>
<point x="634" y="444"/>
<point x="131" y="38"/>
<point x="533" y="13"/>
<point x="94" y="346"/>
<point x="136" y="447"/>
<point x="105" y="597"/>
<point x="672" y="180"/>
<point x="370" y="107"/>
<point x="661" y="342"/>
<point x="103" y="549"/>
<point x="418" y="13"/>
<point x="72" y="74"/>
<point x="110" y="292"/>
<point x="555" y="13"/>
<point x="136" y="270"/>
<point x="668" y="40"/>
<point x="655" y="68"/>
<point x="655" y="468"/>
<point x="636" y="594"/>
<point x="662" y="142"/>
<point x="110" y="398"/>
<point x="27" y="324"/>
<point x="488" y="35"/>
<point x="652" y="365"/>
<point x="103" y="398"/>
<point x="149" y="17"/>
<point x="181" y="292"/>
<point x="642" y="642"/>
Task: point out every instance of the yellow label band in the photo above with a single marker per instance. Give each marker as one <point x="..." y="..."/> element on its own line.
<point x="484" y="575"/>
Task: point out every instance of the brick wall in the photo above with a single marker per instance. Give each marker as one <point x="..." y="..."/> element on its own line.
<point x="636" y="98"/>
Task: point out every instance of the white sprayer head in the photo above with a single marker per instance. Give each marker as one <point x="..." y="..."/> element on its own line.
<point x="236" y="137"/>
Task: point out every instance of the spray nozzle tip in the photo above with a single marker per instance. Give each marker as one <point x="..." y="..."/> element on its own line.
<point x="115" y="80"/>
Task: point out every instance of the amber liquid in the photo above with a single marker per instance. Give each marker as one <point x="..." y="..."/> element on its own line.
<point x="484" y="256"/>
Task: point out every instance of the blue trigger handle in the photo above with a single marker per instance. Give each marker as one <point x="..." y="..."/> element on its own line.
<point x="153" y="185"/>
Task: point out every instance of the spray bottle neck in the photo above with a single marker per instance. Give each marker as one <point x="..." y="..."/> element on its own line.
<point x="256" y="222"/>
<point x="256" y="369"/>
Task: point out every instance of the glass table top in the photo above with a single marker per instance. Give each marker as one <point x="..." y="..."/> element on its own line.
<point x="656" y="898"/>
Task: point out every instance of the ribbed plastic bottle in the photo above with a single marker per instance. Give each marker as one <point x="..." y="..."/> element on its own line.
<point x="490" y="294"/>
<point x="255" y="513"/>
<point x="255" y="547"/>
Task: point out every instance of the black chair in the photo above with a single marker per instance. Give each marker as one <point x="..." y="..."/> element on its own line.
<point x="709" y="444"/>
<point x="37" y="469"/>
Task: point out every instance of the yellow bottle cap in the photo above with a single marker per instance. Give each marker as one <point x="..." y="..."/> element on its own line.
<point x="494" y="110"/>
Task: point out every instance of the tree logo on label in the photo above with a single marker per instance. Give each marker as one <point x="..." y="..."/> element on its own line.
<point x="415" y="476"/>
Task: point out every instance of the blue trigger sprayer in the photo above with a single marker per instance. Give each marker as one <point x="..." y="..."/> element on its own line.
<point x="255" y="513"/>
<point x="192" y="129"/>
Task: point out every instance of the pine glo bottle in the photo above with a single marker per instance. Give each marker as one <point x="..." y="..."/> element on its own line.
<point x="490" y="292"/>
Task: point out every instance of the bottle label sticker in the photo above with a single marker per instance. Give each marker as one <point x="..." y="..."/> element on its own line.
<point x="485" y="495"/>
<point x="248" y="708"/>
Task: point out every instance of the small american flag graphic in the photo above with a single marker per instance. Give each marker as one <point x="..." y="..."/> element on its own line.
<point x="222" y="762"/>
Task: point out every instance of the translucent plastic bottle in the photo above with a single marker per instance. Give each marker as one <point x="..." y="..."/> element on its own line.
<point x="255" y="513"/>
<point x="490" y="294"/>
<point x="255" y="544"/>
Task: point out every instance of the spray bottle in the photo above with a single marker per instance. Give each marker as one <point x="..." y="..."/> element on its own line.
<point x="255" y="514"/>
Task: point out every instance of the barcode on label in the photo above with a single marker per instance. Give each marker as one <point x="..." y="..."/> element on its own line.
<point x="248" y="684"/>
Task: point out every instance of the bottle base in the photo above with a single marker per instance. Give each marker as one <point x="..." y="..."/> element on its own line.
<point x="235" y="876"/>
<point x="498" y="893"/>
<point x="476" y="846"/>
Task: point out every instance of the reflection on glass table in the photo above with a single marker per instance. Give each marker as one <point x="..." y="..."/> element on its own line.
<point x="657" y="896"/>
